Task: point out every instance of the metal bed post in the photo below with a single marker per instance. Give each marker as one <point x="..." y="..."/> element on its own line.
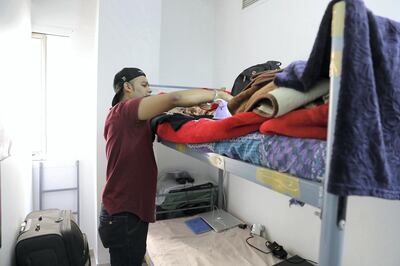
<point x="334" y="207"/>
<point x="40" y="185"/>
<point x="77" y="193"/>
<point x="221" y="189"/>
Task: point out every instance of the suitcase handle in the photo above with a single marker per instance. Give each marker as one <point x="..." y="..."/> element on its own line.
<point x="25" y="226"/>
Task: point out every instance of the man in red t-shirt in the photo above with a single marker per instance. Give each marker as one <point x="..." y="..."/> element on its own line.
<point x="128" y="202"/>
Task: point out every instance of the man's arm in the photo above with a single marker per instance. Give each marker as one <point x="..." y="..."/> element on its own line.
<point x="152" y="106"/>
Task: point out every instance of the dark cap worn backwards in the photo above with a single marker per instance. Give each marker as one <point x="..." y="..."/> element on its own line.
<point x="126" y="74"/>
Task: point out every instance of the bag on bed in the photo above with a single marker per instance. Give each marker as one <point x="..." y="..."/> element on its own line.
<point x="244" y="78"/>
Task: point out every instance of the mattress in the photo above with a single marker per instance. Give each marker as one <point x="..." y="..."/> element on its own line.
<point x="300" y="157"/>
<point x="171" y="242"/>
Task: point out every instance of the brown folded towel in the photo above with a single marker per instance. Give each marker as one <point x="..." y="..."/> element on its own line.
<point x="244" y="101"/>
<point x="258" y="97"/>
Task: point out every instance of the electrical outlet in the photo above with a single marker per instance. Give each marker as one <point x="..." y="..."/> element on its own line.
<point x="257" y="229"/>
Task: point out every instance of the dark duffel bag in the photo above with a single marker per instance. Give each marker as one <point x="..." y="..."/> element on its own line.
<point x="51" y="238"/>
<point x="246" y="75"/>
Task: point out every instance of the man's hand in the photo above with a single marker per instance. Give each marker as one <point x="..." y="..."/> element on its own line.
<point x="222" y="94"/>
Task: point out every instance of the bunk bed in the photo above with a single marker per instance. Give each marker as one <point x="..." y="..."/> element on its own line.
<point x="318" y="193"/>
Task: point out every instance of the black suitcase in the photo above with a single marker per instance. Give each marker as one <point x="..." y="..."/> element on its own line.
<point x="51" y="238"/>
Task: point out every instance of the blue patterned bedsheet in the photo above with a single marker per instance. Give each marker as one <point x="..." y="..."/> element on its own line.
<point x="304" y="158"/>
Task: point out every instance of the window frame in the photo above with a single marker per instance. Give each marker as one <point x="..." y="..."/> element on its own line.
<point x="40" y="154"/>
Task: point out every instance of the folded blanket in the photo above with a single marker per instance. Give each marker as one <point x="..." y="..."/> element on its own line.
<point x="257" y="97"/>
<point x="207" y="130"/>
<point x="304" y="123"/>
<point x="245" y="101"/>
<point x="366" y="149"/>
<point x="282" y="100"/>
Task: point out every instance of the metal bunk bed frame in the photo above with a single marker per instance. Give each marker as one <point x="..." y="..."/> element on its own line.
<point x="333" y="207"/>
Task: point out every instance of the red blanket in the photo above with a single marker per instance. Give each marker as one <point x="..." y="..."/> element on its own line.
<point x="207" y="130"/>
<point x="304" y="123"/>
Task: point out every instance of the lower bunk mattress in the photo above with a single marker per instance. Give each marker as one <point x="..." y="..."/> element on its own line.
<point x="171" y="242"/>
<point x="300" y="157"/>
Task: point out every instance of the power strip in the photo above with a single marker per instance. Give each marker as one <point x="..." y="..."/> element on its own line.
<point x="294" y="261"/>
<point x="277" y="250"/>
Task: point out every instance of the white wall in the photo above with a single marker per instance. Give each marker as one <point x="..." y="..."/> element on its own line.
<point x="187" y="43"/>
<point x="186" y="59"/>
<point x="268" y="30"/>
<point x="84" y="88"/>
<point x="16" y="184"/>
<point x="285" y="30"/>
<point x="170" y="160"/>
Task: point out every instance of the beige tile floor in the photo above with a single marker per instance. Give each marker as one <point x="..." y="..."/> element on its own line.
<point x="93" y="260"/>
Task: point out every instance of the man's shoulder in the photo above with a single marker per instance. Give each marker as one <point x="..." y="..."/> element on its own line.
<point x="126" y="107"/>
<point x="125" y="111"/>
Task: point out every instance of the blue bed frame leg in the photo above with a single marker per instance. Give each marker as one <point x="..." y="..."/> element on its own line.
<point x="334" y="206"/>
<point x="221" y="189"/>
<point x="332" y="230"/>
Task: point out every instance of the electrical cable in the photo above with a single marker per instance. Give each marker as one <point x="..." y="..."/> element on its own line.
<point x="279" y="252"/>
<point x="287" y="260"/>
<point x="224" y="178"/>
<point x="247" y="241"/>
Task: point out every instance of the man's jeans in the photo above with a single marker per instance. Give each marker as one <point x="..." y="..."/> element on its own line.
<point x="125" y="236"/>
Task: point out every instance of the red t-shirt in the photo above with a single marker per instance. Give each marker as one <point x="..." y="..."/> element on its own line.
<point x="131" y="167"/>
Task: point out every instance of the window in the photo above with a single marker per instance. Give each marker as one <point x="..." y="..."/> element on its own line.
<point x="51" y="57"/>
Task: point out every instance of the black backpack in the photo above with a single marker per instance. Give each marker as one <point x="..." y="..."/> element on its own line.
<point x="244" y="78"/>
